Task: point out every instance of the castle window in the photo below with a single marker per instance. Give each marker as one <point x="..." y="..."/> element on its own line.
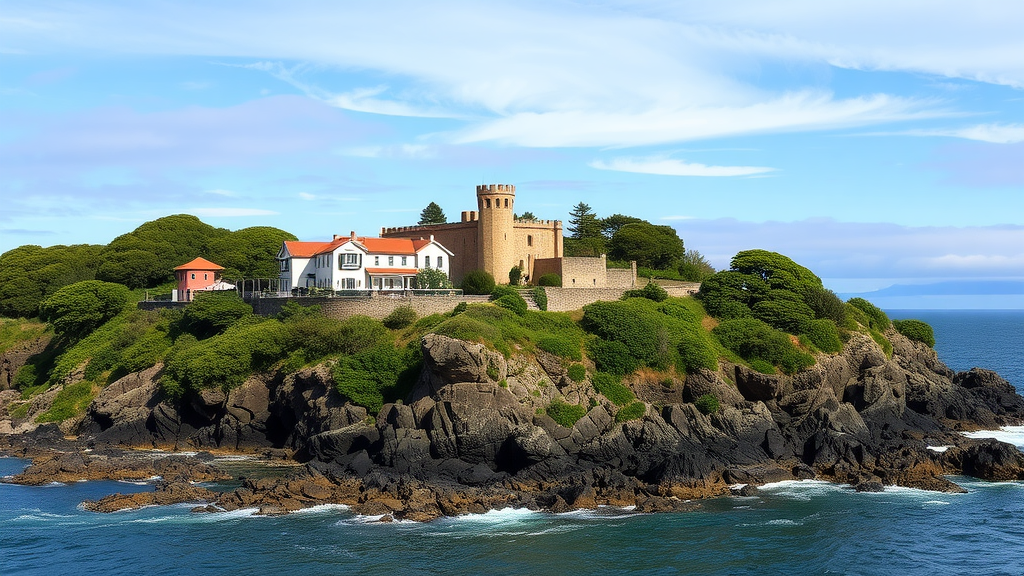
<point x="506" y="202"/>
<point x="529" y="240"/>
<point x="488" y="200"/>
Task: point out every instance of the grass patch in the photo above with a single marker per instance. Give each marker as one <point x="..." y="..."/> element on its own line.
<point x="13" y="332"/>
<point x="612" y="389"/>
<point x="71" y="401"/>
<point x="631" y="412"/>
<point x="565" y="414"/>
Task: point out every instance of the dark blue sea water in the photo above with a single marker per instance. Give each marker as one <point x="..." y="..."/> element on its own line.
<point x="790" y="528"/>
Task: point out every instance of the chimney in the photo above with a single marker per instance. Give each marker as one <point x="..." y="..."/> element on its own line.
<point x="431" y="237"/>
<point x="352" y="235"/>
<point x="335" y="237"/>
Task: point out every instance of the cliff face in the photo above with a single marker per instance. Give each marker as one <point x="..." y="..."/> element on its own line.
<point x="472" y="420"/>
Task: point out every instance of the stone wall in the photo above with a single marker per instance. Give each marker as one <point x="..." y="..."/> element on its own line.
<point x="687" y="289"/>
<point x="569" y="299"/>
<point x="622" y="277"/>
<point x="584" y="272"/>
<point x="378" y="306"/>
<point x="459" y="237"/>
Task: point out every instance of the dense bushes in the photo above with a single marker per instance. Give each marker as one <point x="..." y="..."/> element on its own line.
<point x="612" y="389"/>
<point x="877" y="319"/>
<point x="753" y="339"/>
<point x="372" y="376"/>
<point x="707" y="404"/>
<point x="824" y="335"/>
<point x="631" y="412"/>
<point x="550" y="279"/>
<point x="212" y="314"/>
<point x="651" y="291"/>
<point x="223" y="361"/>
<point x="565" y="414"/>
<point x="916" y="330"/>
<point x="509" y="299"/>
<point x="577" y="372"/>
<point x="540" y="297"/>
<point x="561" y="347"/>
<point x="478" y="282"/>
<point x="400" y="317"/>
<point x="78" y="309"/>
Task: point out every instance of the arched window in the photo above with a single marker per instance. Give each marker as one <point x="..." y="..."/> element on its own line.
<point x="488" y="200"/>
<point x="193" y="275"/>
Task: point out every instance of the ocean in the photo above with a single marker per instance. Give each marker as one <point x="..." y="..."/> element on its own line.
<point x="806" y="527"/>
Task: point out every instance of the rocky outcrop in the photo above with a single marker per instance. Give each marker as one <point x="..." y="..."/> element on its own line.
<point x="67" y="467"/>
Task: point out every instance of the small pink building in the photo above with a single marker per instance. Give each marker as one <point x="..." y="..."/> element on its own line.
<point x="195" y="276"/>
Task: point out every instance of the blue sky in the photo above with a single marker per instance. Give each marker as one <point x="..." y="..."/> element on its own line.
<point x="877" y="144"/>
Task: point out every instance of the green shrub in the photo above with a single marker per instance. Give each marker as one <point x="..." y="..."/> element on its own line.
<point x="707" y="404"/>
<point x="638" y="325"/>
<point x="78" y="309"/>
<point x="550" y="279"/>
<point x="459" y="308"/>
<point x="292" y="310"/>
<point x="826" y="304"/>
<point x="478" y="282"/>
<point x="877" y="318"/>
<point x="763" y="366"/>
<point x="226" y="360"/>
<point x="71" y="401"/>
<point x="651" y="291"/>
<point x="432" y="279"/>
<point x="373" y="376"/>
<point x="612" y="389"/>
<point x="212" y="314"/>
<point x="502" y="290"/>
<point x="540" y="296"/>
<point x="882" y="341"/>
<point x="321" y="337"/>
<point x="784" y="314"/>
<point x="430" y="321"/>
<point x="565" y="414"/>
<point x="145" y="352"/>
<point x="577" y="372"/>
<point x="916" y="330"/>
<point x="696" y="351"/>
<point x="512" y="302"/>
<point x="400" y="317"/>
<point x="631" y="412"/>
<point x="752" y="338"/>
<point x="464" y="327"/>
<point x="560" y="346"/>
<point x="26" y="377"/>
<point x="515" y="275"/>
<point x="611" y="356"/>
<point x="824" y="335"/>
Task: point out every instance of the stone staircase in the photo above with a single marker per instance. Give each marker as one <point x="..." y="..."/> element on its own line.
<point x="527" y="294"/>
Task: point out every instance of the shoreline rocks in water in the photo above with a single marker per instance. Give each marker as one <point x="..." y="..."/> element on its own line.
<point x="471" y="437"/>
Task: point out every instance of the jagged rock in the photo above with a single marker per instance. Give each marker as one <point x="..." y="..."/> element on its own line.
<point x="756" y="386"/>
<point x="988" y="460"/>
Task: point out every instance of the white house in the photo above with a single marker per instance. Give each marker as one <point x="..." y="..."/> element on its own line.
<point x="359" y="263"/>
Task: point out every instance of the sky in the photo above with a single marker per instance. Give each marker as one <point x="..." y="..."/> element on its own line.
<point x="877" y="143"/>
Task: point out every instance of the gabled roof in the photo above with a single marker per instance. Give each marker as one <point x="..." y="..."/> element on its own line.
<point x="303" y="249"/>
<point x="404" y="271"/>
<point x="388" y="245"/>
<point x="200" y="264"/>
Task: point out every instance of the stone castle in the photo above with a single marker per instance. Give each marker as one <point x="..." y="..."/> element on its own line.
<point x="491" y="238"/>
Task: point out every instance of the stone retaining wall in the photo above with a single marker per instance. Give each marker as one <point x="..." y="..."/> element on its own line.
<point x="376" y="307"/>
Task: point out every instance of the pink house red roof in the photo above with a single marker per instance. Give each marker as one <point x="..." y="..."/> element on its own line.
<point x="200" y="264"/>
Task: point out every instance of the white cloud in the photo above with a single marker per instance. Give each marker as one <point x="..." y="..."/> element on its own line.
<point x="222" y="192"/>
<point x="994" y="133"/>
<point x="671" y="167"/>
<point x="414" y="151"/>
<point x="229" y="212"/>
<point x="969" y="262"/>
<point x="307" y="196"/>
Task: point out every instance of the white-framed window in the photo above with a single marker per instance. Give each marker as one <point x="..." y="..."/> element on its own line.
<point x="391" y="260"/>
<point x="403" y="260"/>
<point x="426" y="261"/>
<point x="348" y="261"/>
<point x="440" y="261"/>
<point x="193" y="275"/>
<point x="376" y="260"/>
<point x="350" y="283"/>
<point x="284" y="265"/>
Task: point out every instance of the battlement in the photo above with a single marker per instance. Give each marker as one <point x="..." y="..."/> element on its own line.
<point x="496" y="189"/>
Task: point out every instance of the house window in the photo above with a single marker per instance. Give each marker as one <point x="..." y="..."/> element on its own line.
<point x="529" y="240"/>
<point x="284" y="265"/>
<point x="376" y="260"/>
<point x="426" y="261"/>
<point x="193" y="275"/>
<point x="206" y="277"/>
<point x="403" y="260"/>
<point x="440" y="261"/>
<point x="391" y="260"/>
<point x="350" y="283"/>
<point x="348" y="261"/>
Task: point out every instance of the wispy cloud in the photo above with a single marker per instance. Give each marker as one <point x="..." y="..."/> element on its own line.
<point x="222" y="192"/>
<point x="412" y="151"/>
<point x="307" y="196"/>
<point x="994" y="133"/>
<point x="670" y="167"/>
<point x="229" y="212"/>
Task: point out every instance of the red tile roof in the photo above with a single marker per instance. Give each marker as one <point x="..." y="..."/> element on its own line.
<point x="304" y="249"/>
<point x="200" y="264"/>
<point x="411" y="271"/>
<point x="388" y="245"/>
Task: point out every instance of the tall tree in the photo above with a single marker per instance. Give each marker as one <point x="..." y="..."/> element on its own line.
<point x="526" y="216"/>
<point x="432" y="214"/>
<point x="611" y="224"/>
<point x="583" y="223"/>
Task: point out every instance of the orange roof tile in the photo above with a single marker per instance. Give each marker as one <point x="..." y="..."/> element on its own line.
<point x="412" y="271"/>
<point x="303" y="249"/>
<point x="327" y="247"/>
<point x="388" y="245"/>
<point x="200" y="264"/>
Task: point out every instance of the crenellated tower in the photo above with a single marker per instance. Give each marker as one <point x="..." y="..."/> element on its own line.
<point x="496" y="240"/>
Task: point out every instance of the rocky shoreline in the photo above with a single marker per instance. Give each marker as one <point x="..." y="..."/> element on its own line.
<point x="470" y="437"/>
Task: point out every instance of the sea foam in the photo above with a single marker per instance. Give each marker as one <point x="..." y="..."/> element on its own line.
<point x="1009" y="434"/>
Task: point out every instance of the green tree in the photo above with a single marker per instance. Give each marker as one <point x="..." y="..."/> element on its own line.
<point x="694" y="267"/>
<point x="515" y="275"/>
<point x="212" y="314"/>
<point x="650" y="245"/>
<point x="432" y="279"/>
<point x="174" y="240"/>
<point x="30" y="273"/>
<point x="611" y="224"/>
<point x="432" y="214"/>
<point x="252" y="252"/>
<point x="133" y="268"/>
<point x="478" y="282"/>
<point x="79" y="308"/>
<point x="526" y="216"/>
<point x="583" y="223"/>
